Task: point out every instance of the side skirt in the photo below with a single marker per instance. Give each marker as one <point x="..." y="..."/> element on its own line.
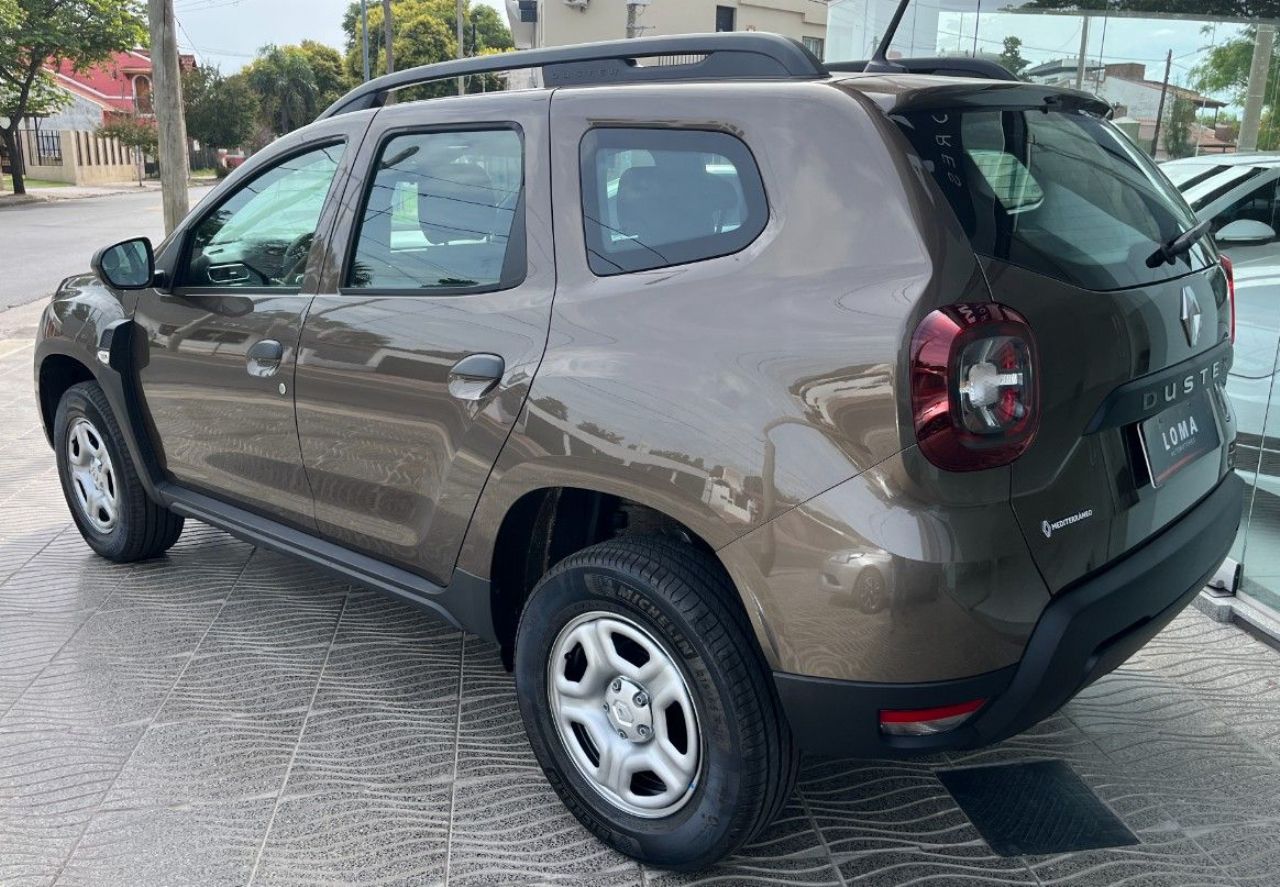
<point x="463" y="603"/>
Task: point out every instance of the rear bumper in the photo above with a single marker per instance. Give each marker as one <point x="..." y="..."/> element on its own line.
<point x="1084" y="633"/>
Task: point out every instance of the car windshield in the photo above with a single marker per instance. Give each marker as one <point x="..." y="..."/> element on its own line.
<point x="1062" y="193"/>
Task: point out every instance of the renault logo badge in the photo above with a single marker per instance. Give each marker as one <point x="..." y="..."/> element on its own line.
<point x="1190" y="316"/>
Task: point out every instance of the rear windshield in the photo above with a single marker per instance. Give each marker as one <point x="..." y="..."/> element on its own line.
<point x="1061" y="193"/>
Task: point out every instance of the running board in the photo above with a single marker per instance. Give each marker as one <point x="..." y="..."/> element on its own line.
<point x="463" y="603"/>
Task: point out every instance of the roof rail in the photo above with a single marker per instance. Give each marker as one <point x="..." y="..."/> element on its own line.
<point x="724" y="56"/>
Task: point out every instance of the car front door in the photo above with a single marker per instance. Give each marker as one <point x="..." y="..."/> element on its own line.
<point x="420" y="346"/>
<point x="217" y="380"/>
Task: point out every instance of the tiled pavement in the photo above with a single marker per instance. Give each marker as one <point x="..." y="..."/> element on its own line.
<point x="225" y="716"/>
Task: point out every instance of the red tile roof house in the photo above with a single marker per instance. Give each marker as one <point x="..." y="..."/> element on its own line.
<point x="64" y="147"/>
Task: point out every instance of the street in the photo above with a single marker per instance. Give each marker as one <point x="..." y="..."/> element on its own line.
<point x="41" y="243"/>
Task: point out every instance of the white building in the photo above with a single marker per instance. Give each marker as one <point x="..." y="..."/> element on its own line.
<point x="562" y="22"/>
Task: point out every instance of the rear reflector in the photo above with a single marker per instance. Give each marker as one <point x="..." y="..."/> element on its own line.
<point x="927" y="721"/>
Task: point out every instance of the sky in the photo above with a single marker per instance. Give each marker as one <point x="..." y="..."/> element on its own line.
<point x="228" y="33"/>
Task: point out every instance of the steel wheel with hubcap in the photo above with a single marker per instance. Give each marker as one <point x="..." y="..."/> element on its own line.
<point x="649" y="704"/>
<point x="100" y="483"/>
<point x="624" y="714"/>
<point x="93" y="476"/>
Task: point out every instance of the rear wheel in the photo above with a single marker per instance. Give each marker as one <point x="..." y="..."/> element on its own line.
<point x="648" y="703"/>
<point x="100" y="484"/>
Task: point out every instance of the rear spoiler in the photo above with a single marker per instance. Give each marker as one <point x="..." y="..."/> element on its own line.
<point x="942" y="66"/>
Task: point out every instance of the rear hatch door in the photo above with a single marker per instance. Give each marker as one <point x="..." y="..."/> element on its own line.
<point x="1066" y="213"/>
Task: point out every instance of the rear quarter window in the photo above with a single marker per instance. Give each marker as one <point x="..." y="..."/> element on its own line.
<point x="652" y="198"/>
<point x="1064" y="194"/>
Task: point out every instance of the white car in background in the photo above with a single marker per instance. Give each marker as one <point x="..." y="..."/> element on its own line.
<point x="1240" y="195"/>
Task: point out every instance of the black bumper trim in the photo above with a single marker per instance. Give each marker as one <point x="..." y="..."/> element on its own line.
<point x="1085" y="632"/>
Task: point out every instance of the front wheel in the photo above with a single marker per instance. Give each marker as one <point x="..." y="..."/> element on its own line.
<point x="649" y="705"/>
<point x="100" y="484"/>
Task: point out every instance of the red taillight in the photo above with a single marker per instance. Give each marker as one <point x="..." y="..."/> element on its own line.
<point x="927" y="721"/>
<point x="974" y="386"/>
<point x="1231" y="292"/>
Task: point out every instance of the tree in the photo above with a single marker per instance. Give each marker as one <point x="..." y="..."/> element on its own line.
<point x="327" y="67"/>
<point x="1178" y="128"/>
<point x="220" y="110"/>
<point x="286" y="86"/>
<point x="1264" y="9"/>
<point x="425" y="33"/>
<point x="81" y="32"/>
<point x="1226" y="68"/>
<point x="133" y="131"/>
<point x="1011" y="58"/>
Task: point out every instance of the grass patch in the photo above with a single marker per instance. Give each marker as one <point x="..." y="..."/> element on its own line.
<point x="6" y="184"/>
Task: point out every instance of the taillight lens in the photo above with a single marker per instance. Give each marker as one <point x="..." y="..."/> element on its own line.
<point x="974" y="386"/>
<point x="1231" y="292"/>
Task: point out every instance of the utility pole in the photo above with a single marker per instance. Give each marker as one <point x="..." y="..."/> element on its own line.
<point x="387" y="30"/>
<point x="364" y="36"/>
<point x="633" y="20"/>
<point x="1164" y="90"/>
<point x="167" y="98"/>
<point x="1084" y="48"/>
<point x="1255" y="98"/>
<point x="460" y="16"/>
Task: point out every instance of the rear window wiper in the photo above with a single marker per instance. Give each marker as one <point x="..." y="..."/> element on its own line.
<point x="1169" y="251"/>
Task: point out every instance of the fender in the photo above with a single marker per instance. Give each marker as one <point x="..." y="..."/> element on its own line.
<point x="88" y="323"/>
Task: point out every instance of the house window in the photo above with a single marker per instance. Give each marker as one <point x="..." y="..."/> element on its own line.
<point x="725" y="18"/>
<point x="142" y="94"/>
<point x="815" y="45"/>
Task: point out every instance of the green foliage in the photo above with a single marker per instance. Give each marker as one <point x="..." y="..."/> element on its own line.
<point x="1011" y="58"/>
<point x="1178" y="128"/>
<point x="82" y="32"/>
<point x="286" y="86"/>
<point x="1267" y="9"/>
<point x="10" y="15"/>
<point x="426" y="32"/>
<point x="220" y="111"/>
<point x="1226" y="68"/>
<point x="132" y="131"/>
<point x="330" y="74"/>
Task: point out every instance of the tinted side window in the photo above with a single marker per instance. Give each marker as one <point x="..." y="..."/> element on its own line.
<point x="261" y="235"/>
<point x="443" y="212"/>
<point x="658" y="197"/>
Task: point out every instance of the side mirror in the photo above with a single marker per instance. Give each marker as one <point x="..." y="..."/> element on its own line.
<point x="1245" y="231"/>
<point x="129" y="265"/>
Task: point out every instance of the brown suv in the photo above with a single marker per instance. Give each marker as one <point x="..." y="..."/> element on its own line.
<point x="750" y="406"/>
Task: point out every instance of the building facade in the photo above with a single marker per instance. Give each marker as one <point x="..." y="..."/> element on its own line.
<point x="563" y="22"/>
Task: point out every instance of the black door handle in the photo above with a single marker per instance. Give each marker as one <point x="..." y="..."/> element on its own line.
<point x="476" y="375"/>
<point x="264" y="357"/>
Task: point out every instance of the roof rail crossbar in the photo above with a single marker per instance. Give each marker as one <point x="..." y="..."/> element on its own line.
<point x="704" y="57"/>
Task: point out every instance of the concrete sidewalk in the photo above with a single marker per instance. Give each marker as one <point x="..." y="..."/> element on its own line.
<point x="80" y="192"/>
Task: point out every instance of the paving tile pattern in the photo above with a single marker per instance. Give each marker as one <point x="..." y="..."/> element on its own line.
<point x="226" y="716"/>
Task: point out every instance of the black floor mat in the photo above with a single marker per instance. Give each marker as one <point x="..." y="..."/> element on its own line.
<point x="1036" y="808"/>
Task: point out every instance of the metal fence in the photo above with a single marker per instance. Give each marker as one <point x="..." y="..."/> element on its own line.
<point x="48" y="147"/>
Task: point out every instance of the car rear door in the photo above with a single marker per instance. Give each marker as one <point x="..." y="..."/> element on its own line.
<point x="430" y="321"/>
<point x="217" y="380"/>
<point x="1133" y="349"/>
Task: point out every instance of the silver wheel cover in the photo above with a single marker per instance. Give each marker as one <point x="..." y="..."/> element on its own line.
<point x="94" y="485"/>
<point x="624" y="714"/>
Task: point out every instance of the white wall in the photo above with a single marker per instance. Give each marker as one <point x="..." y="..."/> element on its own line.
<point x="561" y="24"/>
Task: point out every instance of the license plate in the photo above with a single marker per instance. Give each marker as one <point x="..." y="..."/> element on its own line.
<point x="1178" y="436"/>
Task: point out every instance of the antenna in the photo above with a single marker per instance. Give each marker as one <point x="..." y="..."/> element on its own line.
<point x="880" y="59"/>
